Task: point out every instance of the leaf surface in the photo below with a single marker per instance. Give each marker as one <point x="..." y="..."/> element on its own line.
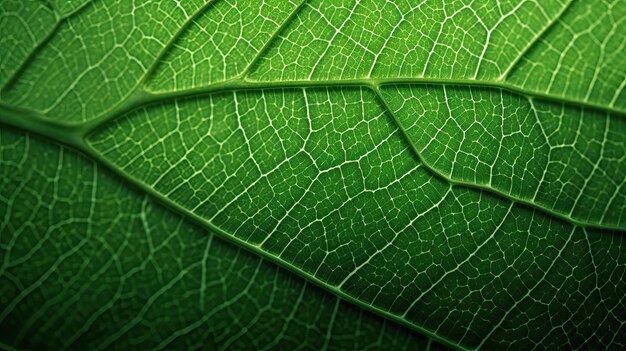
<point x="88" y="263"/>
<point x="456" y="167"/>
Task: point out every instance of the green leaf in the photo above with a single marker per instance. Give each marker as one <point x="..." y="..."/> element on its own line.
<point x="457" y="167"/>
<point x="89" y="264"/>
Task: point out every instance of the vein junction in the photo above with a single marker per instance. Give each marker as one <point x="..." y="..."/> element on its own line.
<point x="337" y="151"/>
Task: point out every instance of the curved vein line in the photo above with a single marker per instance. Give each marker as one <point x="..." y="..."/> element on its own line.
<point x="75" y="135"/>
<point x="530" y="291"/>
<point x="535" y="40"/>
<point x="258" y="250"/>
<point x="43" y="43"/>
<point x="475" y="186"/>
<point x="59" y="132"/>
<point x="272" y="39"/>
<point x="142" y="97"/>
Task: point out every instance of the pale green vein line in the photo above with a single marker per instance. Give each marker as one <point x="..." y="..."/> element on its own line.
<point x="290" y="317"/>
<point x="492" y="190"/>
<point x="535" y="40"/>
<point x="75" y="134"/>
<point x="42" y="44"/>
<point x="329" y="330"/>
<point x="147" y="189"/>
<point x="141" y="97"/>
<point x="168" y="46"/>
<point x="132" y="96"/>
<point x="272" y="38"/>
<point x="530" y="291"/>
<point x="138" y="317"/>
<point x="429" y="345"/>
<point x="71" y="135"/>
<point x="41" y="280"/>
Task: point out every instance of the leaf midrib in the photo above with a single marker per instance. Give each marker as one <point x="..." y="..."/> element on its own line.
<point x="75" y="134"/>
<point x="143" y="96"/>
<point x="258" y="250"/>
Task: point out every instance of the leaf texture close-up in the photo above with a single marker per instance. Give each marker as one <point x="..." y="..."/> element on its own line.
<point x="347" y="175"/>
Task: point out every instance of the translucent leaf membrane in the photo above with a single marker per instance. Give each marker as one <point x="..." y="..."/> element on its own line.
<point x="452" y="39"/>
<point x="343" y="198"/>
<point x="98" y="57"/>
<point x="581" y="57"/>
<point x="531" y="45"/>
<point x="87" y="263"/>
<point x="566" y="159"/>
<point x="65" y="8"/>
<point x="23" y="24"/>
<point x="455" y="166"/>
<point x="221" y="44"/>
